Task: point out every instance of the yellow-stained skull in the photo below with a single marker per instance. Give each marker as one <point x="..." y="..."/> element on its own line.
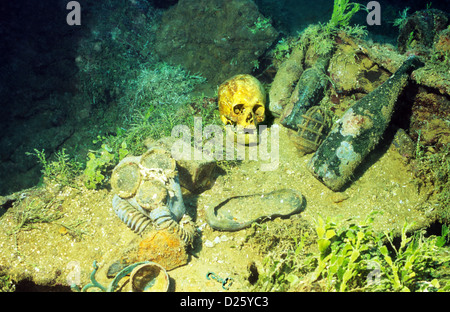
<point x="242" y="102"/>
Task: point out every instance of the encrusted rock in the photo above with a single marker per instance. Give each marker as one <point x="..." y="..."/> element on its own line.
<point x="404" y="145"/>
<point x="429" y="112"/>
<point x="353" y="71"/>
<point x="441" y="46"/>
<point x="216" y="38"/>
<point x="163" y="247"/>
<point x="420" y="29"/>
<point x="195" y="175"/>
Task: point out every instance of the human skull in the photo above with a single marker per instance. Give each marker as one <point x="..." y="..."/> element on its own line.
<point x="242" y="102"/>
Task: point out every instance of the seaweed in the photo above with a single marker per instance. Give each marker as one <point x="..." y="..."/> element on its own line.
<point x="352" y="256"/>
<point x="343" y="11"/>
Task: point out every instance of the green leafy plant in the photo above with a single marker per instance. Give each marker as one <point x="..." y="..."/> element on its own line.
<point x="33" y="212"/>
<point x="6" y="284"/>
<point x="261" y="24"/>
<point x="410" y="41"/>
<point x="343" y="11"/>
<point x="99" y="162"/>
<point x="403" y="15"/>
<point x="255" y="64"/>
<point x="320" y="39"/>
<point x="342" y="252"/>
<point x="434" y="169"/>
<point x="412" y="265"/>
<point x="72" y="228"/>
<point x="285" y="263"/>
<point x="28" y="212"/>
<point x="345" y="255"/>
<point x="353" y="257"/>
<point x="160" y="85"/>
<point x="281" y="50"/>
<point x="62" y="170"/>
<point x="155" y="102"/>
<point x="358" y="31"/>
<point x="445" y="236"/>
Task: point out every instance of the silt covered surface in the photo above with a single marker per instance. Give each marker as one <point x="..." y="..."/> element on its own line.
<point x="48" y="254"/>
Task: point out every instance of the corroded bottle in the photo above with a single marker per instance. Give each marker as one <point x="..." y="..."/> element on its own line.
<point x="358" y="131"/>
<point x="309" y="92"/>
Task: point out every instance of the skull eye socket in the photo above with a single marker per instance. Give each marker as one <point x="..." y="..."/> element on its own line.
<point x="258" y="110"/>
<point x="237" y="109"/>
